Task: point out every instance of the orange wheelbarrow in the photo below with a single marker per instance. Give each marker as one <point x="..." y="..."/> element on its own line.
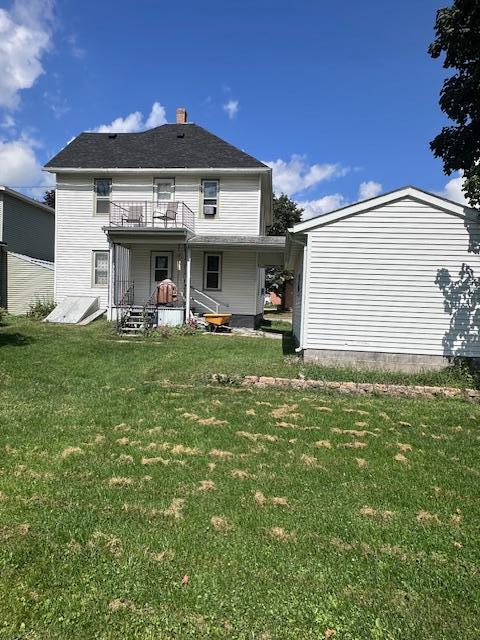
<point x="218" y="321"/>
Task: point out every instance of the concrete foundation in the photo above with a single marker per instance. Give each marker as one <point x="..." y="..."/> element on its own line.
<point x="406" y="362"/>
<point x="246" y="321"/>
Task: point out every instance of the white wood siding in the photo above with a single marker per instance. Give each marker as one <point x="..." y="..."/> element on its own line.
<point x="238" y="208"/>
<point x="78" y="233"/>
<point x="239" y="280"/>
<point x="27" y="283"/>
<point x="375" y="282"/>
<point x="238" y="204"/>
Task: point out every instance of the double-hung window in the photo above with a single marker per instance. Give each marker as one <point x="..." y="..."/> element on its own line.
<point x="212" y="275"/>
<point x="210" y="190"/>
<point x="100" y="268"/>
<point x="103" y="190"/>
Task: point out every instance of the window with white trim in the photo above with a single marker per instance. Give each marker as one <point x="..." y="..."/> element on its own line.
<point x="212" y="274"/>
<point x="100" y="268"/>
<point x="210" y="190"/>
<point x="103" y="191"/>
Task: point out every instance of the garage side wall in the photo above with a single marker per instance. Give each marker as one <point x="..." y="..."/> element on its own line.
<point x="3" y="276"/>
<point x="28" y="229"/>
<point x="27" y="283"/>
<point x="397" y="279"/>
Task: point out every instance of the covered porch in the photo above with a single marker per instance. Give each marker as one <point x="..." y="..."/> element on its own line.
<point x="212" y="274"/>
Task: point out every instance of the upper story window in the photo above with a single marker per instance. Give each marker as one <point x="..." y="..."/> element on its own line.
<point x="210" y="189"/>
<point x="103" y="191"/>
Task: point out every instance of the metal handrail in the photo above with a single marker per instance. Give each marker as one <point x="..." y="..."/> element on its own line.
<point x="205" y="306"/>
<point x="123" y="300"/>
<point x="215" y="302"/>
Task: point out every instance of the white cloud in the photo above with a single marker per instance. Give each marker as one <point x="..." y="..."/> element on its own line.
<point x="157" y="116"/>
<point x="77" y="52"/>
<point x="369" y="189"/>
<point x="8" y="122"/>
<point x="25" y="35"/>
<point x="453" y="190"/>
<point x="135" y="122"/>
<point x="231" y="107"/>
<point x="56" y="102"/>
<point x="19" y="166"/>
<point x="322" y="205"/>
<point x="295" y="175"/>
<point x="132" y="122"/>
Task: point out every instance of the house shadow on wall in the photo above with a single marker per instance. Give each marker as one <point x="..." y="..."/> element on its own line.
<point x="461" y="295"/>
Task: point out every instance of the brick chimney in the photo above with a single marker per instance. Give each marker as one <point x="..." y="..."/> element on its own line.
<point x="181" y="115"/>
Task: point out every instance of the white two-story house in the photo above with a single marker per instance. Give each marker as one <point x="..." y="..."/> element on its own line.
<point x="176" y="202"/>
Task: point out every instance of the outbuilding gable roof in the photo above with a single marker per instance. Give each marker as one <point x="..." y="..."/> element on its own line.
<point x="47" y="264"/>
<point x="169" y="146"/>
<point x="386" y="198"/>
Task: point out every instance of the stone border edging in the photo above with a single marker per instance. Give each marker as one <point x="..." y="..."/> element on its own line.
<point x="359" y="387"/>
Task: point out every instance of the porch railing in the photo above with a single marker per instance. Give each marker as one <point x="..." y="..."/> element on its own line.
<point x="124" y="293"/>
<point x="142" y="214"/>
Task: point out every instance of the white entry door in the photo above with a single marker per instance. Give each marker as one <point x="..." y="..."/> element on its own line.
<point x="161" y="267"/>
<point x="164" y="190"/>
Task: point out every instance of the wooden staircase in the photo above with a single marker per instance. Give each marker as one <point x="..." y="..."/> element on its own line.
<point x="135" y="320"/>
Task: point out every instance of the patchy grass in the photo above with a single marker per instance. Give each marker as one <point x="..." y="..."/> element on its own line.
<point x="255" y="516"/>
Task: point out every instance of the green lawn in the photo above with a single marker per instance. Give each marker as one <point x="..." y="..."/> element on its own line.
<point x="138" y="502"/>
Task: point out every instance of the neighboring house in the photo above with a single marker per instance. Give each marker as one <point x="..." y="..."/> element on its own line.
<point x="391" y="281"/>
<point x="287" y="301"/>
<point x="27" y="237"/>
<point x="173" y="202"/>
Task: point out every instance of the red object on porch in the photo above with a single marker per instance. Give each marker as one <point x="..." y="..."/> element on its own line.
<point x="166" y="292"/>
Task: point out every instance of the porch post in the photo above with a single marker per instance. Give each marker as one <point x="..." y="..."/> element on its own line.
<point x="187" y="282"/>
<point x="111" y="279"/>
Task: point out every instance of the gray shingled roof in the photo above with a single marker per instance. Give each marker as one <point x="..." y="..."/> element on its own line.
<point x="169" y="146"/>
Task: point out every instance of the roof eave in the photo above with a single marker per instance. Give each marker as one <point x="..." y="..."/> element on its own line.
<point x="156" y="169"/>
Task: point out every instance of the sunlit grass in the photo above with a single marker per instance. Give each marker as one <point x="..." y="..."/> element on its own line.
<point x="138" y="502"/>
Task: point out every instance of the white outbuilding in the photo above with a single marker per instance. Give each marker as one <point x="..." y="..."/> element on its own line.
<point x="390" y="282"/>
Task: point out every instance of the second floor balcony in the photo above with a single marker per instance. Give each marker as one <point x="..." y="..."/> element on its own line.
<point x="146" y="214"/>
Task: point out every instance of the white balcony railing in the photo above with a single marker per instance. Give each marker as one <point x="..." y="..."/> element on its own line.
<point x="142" y="214"/>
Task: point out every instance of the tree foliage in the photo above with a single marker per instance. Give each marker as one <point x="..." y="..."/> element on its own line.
<point x="49" y="198"/>
<point x="457" y="35"/>
<point x="286" y="213"/>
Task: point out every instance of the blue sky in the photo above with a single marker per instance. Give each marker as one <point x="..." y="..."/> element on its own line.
<point x="340" y="98"/>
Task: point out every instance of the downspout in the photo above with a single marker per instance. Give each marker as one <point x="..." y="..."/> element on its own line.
<point x="111" y="279"/>
<point x="188" y="265"/>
